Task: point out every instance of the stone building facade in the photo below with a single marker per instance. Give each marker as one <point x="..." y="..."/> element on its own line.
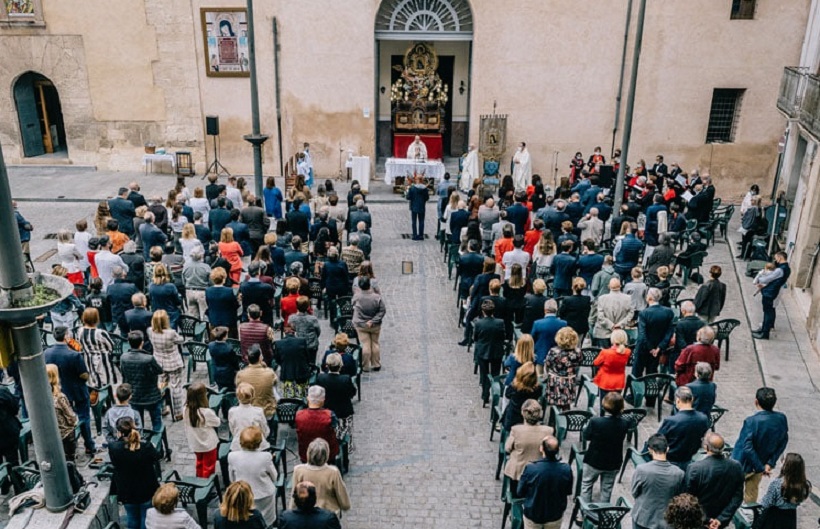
<point x="134" y="71"/>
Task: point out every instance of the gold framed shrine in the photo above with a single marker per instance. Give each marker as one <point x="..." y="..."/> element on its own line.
<point x="418" y="96"/>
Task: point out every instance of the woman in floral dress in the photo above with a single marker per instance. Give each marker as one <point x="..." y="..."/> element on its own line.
<point x="561" y="369"/>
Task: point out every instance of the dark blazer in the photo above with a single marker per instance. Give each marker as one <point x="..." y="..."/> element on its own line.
<point x="629" y="254"/>
<point x="574" y="212"/>
<point x="458" y="220"/>
<point x="553" y="218"/>
<point x="563" y="270"/>
<point x="277" y="257"/>
<point x="533" y="311"/>
<point x="257" y="222"/>
<point x="222" y="306"/>
<point x="71" y="366"/>
<point x="293" y="256"/>
<point x="518" y="215"/>
<point x="137" y="199"/>
<point x="470" y="266"/>
<point x="339" y="390"/>
<point x="212" y="191"/>
<point x="502" y="312"/>
<point x="166" y="297"/>
<point x="119" y="296"/>
<point x="717" y="483"/>
<point x="139" y="320"/>
<point x="242" y="235"/>
<point x="335" y="278"/>
<point x="203" y="233"/>
<point x="543" y="332"/>
<point x="217" y="219"/>
<point x="588" y="265"/>
<point x="291" y="353"/>
<point x="151" y="236"/>
<point x="545" y="485"/>
<point x="418" y="195"/>
<point x="331" y="226"/>
<point x="134" y="478"/>
<point x="575" y="311"/>
<point x="489" y="336"/>
<point x="654" y="328"/>
<point x="710" y="298"/>
<point x="225" y="364"/>
<point x="762" y="440"/>
<point x="299" y="224"/>
<point x="122" y="211"/>
<point x="686" y="331"/>
<point x="314" y="518"/>
<point x="512" y="413"/>
<point x="136" y="268"/>
<point x="684" y="432"/>
<point x="705" y="394"/>
<point x="606" y="440"/>
<point x="258" y="293"/>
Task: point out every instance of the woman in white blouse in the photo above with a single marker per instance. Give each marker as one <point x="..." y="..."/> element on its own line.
<point x="256" y="468"/>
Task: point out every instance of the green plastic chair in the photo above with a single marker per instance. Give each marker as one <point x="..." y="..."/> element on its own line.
<point x="24" y="440"/>
<point x="25" y="477"/>
<point x="452" y="259"/>
<point x="502" y="453"/>
<point x="5" y="475"/>
<point x="591" y="390"/>
<point x="192" y="328"/>
<point x="634" y="416"/>
<point x="654" y="385"/>
<point x="723" y="330"/>
<point x="600" y="515"/>
<point x="715" y="415"/>
<point x="564" y="422"/>
<point x="636" y="458"/>
<point x="513" y="507"/>
<point x="576" y="456"/>
<point x="197" y="354"/>
<point x="695" y="262"/>
<point x="199" y="491"/>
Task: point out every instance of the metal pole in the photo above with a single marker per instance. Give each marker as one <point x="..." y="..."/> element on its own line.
<point x="278" y="98"/>
<point x="48" y="446"/>
<point x="630" y="108"/>
<point x="256" y="138"/>
<point x="621" y="77"/>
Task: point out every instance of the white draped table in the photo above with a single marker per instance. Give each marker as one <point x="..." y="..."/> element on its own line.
<point x="394" y="167"/>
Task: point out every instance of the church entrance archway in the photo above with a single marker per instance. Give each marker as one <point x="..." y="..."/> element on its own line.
<point x="445" y="27"/>
<point x="40" y="115"/>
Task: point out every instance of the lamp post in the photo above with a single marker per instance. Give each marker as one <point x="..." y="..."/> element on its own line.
<point x="256" y="138"/>
<point x="21" y="337"/>
<point x="630" y="108"/>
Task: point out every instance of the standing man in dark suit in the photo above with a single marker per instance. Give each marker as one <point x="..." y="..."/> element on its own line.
<point x="655" y="330"/>
<point x="653" y="485"/>
<point x="255" y="292"/>
<point x="135" y="197"/>
<point x="686" y="331"/>
<point x="139" y="318"/>
<point x="253" y="215"/>
<point x="762" y="440"/>
<point x="717" y="483"/>
<point x="298" y="221"/>
<point x="518" y="213"/>
<point x="659" y="168"/>
<point x="307" y="514"/>
<point x="554" y="216"/>
<point x="545" y="485"/>
<point x="73" y="378"/>
<point x="488" y="336"/>
<point x="217" y="219"/>
<point x="544" y="331"/>
<point x="119" y="296"/>
<point x="213" y="190"/>
<point x="563" y="269"/>
<point x="769" y="289"/>
<point x="470" y="266"/>
<point x="151" y="236"/>
<point x="534" y="305"/>
<point x="122" y="210"/>
<point x="418" y="195"/>
<point x="684" y="431"/>
<point x="458" y="219"/>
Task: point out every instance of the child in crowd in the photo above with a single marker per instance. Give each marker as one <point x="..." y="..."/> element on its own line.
<point x="121" y="409"/>
<point x="66" y="418"/>
<point x="200" y="422"/>
<point x="763" y="275"/>
<point x="81" y="239"/>
<point x="663" y="284"/>
<point x="97" y="299"/>
<point x="93" y="250"/>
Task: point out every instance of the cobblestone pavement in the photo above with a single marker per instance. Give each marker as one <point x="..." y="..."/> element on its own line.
<point x="423" y="456"/>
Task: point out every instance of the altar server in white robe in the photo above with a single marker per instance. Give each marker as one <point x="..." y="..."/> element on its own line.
<point x="302" y="167"/>
<point x="469" y="169"/>
<point x="309" y="162"/>
<point x="417" y="150"/>
<point x="522" y="168"/>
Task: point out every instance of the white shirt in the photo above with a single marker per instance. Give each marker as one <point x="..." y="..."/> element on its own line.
<point x="243" y="416"/>
<point x="81" y="239"/>
<point x="235" y="196"/>
<point x="106" y="261"/>
<point x="200" y="205"/>
<point x="256" y="468"/>
<point x="516" y="255"/>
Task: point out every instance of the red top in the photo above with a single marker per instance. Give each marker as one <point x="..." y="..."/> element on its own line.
<point x="288" y="306"/>
<point x="502" y="246"/>
<point x="531" y="239"/>
<point x="691" y="355"/>
<point x="232" y="252"/>
<point x="312" y="423"/>
<point x="611" y="365"/>
<point x="91" y="261"/>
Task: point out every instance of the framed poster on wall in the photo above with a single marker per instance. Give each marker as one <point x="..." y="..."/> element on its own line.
<point x="225" y="33"/>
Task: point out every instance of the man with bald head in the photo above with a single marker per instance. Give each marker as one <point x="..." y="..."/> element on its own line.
<point x="545" y="485"/>
<point x="717" y="483"/>
<point x="612" y="311"/>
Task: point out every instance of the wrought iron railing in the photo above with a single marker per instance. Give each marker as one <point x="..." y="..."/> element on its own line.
<point x="810" y="106"/>
<point x="799" y="98"/>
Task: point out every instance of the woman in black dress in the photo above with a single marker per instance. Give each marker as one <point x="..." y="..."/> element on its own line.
<point x="575" y="309"/>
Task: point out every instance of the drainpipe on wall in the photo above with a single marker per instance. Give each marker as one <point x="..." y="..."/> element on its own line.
<point x="621" y="78"/>
<point x="278" y="100"/>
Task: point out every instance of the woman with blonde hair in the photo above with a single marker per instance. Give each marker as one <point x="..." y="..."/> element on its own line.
<point x="231" y="251"/>
<point x="166" y="342"/>
<point x="543" y="254"/>
<point x="165" y="514"/>
<point x="611" y="364"/>
<point x="524" y="387"/>
<point x="451" y="207"/>
<point x="70" y="257"/>
<point x="245" y="414"/>
<point x="134" y="473"/>
<point x="66" y="418"/>
<point x="164" y="294"/>
<point x="331" y="492"/>
<point x="255" y="467"/>
<point x="524" y="352"/>
<point x="238" y="510"/>
<point x="102" y="217"/>
<point x="97" y="350"/>
<point x="561" y="369"/>
<point x="189" y="242"/>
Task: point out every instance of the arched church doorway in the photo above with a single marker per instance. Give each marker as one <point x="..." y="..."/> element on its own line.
<point x="423" y="63"/>
<point x="42" y="130"/>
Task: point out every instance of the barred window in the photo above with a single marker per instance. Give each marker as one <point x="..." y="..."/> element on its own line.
<point x="743" y="9"/>
<point x="724" y="114"/>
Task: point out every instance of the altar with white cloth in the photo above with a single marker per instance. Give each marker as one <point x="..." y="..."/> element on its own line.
<point x="394" y="167"/>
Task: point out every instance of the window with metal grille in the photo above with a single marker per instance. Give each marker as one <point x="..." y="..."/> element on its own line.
<point x="724" y="114"/>
<point x="743" y="9"/>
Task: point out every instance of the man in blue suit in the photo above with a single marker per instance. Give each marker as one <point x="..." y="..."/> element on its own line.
<point x="518" y="213"/>
<point x="762" y="440"/>
<point x="685" y="430"/>
<point x="218" y="218"/>
<point x="544" y="331"/>
<point x="655" y="330"/>
<point x="458" y="220"/>
<point x="151" y="236"/>
<point x="122" y="210"/>
<point x="563" y="269"/>
<point x="418" y="195"/>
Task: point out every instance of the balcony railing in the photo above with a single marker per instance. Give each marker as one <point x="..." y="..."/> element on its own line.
<point x="799" y="98"/>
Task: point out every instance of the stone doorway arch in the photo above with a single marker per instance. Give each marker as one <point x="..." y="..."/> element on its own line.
<point x="40" y="115"/>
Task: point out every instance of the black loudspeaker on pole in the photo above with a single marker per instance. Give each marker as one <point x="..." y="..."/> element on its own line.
<point x="212" y="129"/>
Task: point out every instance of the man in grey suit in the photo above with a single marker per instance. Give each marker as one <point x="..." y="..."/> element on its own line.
<point x="611" y="311"/>
<point x="654" y="484"/>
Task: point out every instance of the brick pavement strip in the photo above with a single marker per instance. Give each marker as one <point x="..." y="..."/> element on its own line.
<point x="423" y="458"/>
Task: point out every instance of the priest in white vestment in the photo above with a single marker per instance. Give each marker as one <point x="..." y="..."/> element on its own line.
<point x="309" y="162"/>
<point x="522" y="168"/>
<point x="469" y="169"/>
<point x="417" y="150"/>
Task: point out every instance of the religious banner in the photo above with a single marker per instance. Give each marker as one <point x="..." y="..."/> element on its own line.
<point x="492" y="141"/>
<point x="225" y="32"/>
